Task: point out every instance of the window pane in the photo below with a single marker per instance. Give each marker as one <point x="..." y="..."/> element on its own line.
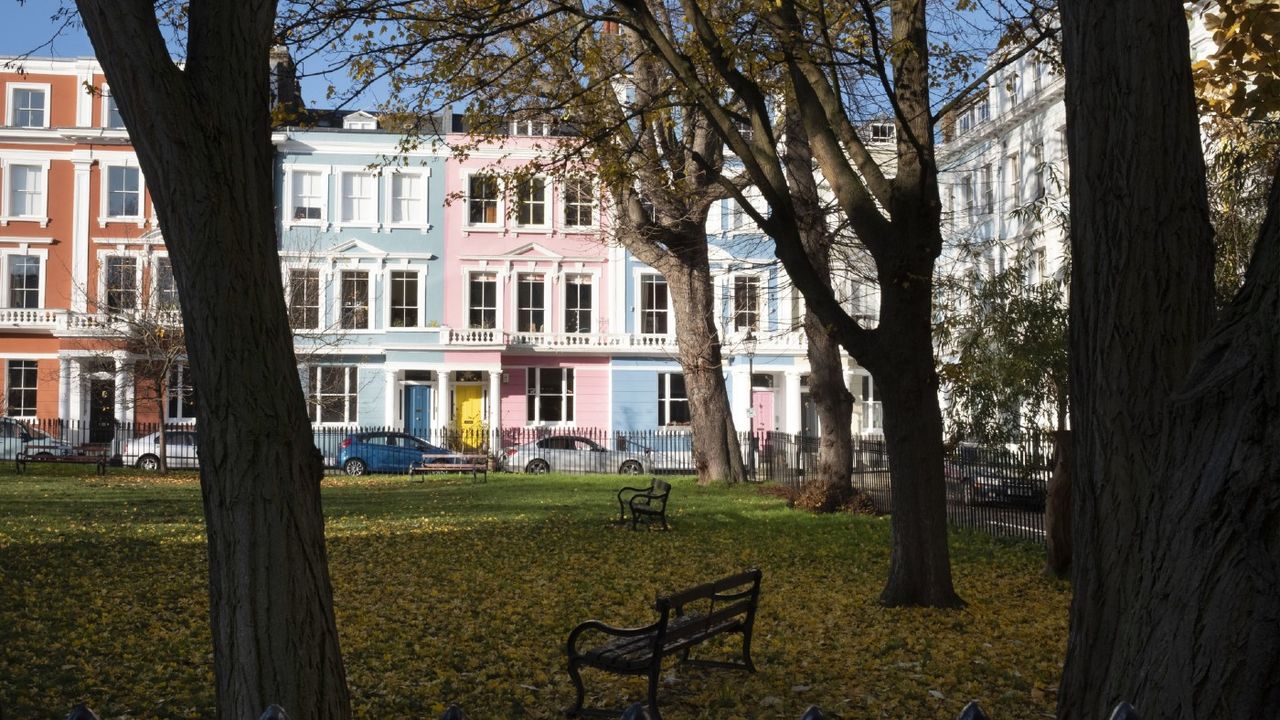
<point x="406" y="199"/>
<point x="579" y="203"/>
<point x="533" y="202"/>
<point x="530" y="308"/>
<point x="482" y="200"/>
<point x="653" y="304"/>
<point x="746" y="303"/>
<point x="26" y="190"/>
<point x="123" y="192"/>
<point x="484" y="303"/>
<point x="24" y="281"/>
<point x="304" y="299"/>
<point x="404" y="299"/>
<point x="28" y="108"/>
<point x="577" y="304"/>
<point x="121" y="283"/>
<point x="355" y="300"/>
<point x="358" y="197"/>
<point x="21" y="395"/>
<point x="166" y="286"/>
<point x="334" y="393"/>
<point x="113" y="117"/>
<point x="308" y="196"/>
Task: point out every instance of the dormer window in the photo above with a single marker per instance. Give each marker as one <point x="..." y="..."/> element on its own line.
<point x="530" y="127"/>
<point x="882" y="132"/>
<point x="360" y="121"/>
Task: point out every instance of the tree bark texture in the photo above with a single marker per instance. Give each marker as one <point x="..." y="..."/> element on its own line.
<point x="202" y="134"/>
<point x="829" y="485"/>
<point x="717" y="451"/>
<point x="1175" y="501"/>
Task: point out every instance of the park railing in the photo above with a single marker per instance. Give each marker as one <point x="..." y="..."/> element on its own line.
<point x="998" y="490"/>
<point x="971" y="711"/>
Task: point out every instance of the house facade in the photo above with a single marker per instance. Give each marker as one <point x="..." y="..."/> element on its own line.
<point x="426" y="291"/>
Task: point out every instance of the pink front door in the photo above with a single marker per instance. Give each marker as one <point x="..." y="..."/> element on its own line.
<point x="762" y="417"/>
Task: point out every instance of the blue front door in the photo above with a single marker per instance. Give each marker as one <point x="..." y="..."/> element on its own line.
<point x="417" y="410"/>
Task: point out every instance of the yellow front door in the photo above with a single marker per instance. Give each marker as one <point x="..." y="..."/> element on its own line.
<point x="468" y="416"/>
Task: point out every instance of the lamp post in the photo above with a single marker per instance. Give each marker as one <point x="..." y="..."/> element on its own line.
<point x="749" y="344"/>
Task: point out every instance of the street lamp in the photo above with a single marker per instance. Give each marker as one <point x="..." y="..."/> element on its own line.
<point x="749" y="344"/>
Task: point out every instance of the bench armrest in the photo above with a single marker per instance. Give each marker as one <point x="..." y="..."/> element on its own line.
<point x="614" y="631"/>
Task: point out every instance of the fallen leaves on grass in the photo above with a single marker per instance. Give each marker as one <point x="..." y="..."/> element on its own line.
<point x="464" y="592"/>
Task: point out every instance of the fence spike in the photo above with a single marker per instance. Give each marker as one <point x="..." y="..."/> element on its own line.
<point x="813" y="713"/>
<point x="82" y="712"/>
<point x="637" y="711"/>
<point x="274" y="712"/>
<point x="453" y="712"/>
<point x="1124" y="711"/>
<point x="972" y="711"/>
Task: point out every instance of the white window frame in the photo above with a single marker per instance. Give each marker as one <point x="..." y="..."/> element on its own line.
<point x="107" y="102"/>
<point x="594" y="279"/>
<point x="500" y="205"/>
<point x="290" y="178"/>
<point x="6" y="198"/>
<point x="420" y="297"/>
<point x="42" y="256"/>
<point x="533" y="377"/>
<point x="1013" y="184"/>
<point x="342" y="221"/>
<point x="664" y="400"/>
<point x="422" y="175"/>
<point x="139" y="261"/>
<point x="320" y="294"/>
<point x="11" y="104"/>
<point x="8" y="364"/>
<point x="760" y="309"/>
<point x="548" y="297"/>
<point x="534" y="200"/>
<point x="593" y="209"/>
<point x="104" y="192"/>
<point x="339" y="299"/>
<point x="498" y="282"/>
<point x="154" y="301"/>
<point x="173" y="393"/>
<point x="351" y="393"/>
<point x="640" y="309"/>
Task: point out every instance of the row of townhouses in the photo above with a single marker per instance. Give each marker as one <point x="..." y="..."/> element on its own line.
<point x="425" y="293"/>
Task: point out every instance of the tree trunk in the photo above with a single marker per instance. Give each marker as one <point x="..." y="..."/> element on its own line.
<point x="1175" y="599"/>
<point x="920" y="563"/>
<point x="1057" y="508"/>
<point x="829" y="486"/>
<point x="717" y="453"/>
<point x="163" y="437"/>
<point x="202" y="134"/>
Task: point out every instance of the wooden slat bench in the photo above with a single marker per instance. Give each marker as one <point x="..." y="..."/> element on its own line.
<point x="477" y="465"/>
<point x="81" y="457"/>
<point x="685" y="619"/>
<point x="647" y="503"/>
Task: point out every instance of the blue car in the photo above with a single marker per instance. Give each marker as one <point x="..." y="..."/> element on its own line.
<point x="383" y="452"/>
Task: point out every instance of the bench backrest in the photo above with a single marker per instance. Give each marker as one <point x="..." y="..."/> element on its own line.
<point x="725" y="599"/>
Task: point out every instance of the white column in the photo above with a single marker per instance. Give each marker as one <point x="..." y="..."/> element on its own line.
<point x="123" y="391"/>
<point x="81" y="202"/>
<point x="443" y="416"/>
<point x="76" y="393"/>
<point x="495" y="400"/>
<point x="791" y="396"/>
<point x="64" y="389"/>
<point x="390" y="398"/>
<point x="851" y="381"/>
<point x="741" y="399"/>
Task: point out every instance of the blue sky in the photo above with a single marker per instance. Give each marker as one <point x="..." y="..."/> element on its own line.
<point x="28" y="26"/>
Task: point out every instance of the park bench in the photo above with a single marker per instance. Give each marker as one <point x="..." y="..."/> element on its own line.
<point x="477" y="465"/>
<point x="686" y="619"/>
<point x="649" y="502"/>
<point x="82" y="455"/>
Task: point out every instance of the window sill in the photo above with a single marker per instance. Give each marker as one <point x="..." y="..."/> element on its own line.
<point x="44" y="221"/>
<point x="139" y="220"/>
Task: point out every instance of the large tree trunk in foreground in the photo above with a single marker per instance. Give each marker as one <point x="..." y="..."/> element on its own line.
<point x="717" y="453"/>
<point x="202" y="135"/>
<point x="1175" y="495"/>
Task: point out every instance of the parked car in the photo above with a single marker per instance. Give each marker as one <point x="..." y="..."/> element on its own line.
<point x="179" y="450"/>
<point x="995" y="475"/>
<point x="575" y="454"/>
<point x="17" y="437"/>
<point x="390" y="452"/>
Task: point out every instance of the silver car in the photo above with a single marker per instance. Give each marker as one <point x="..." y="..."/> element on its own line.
<point x="17" y="437"/>
<point x="179" y="450"/>
<point x="575" y="454"/>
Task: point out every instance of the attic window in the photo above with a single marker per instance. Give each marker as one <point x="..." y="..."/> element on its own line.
<point x="360" y="121"/>
<point x="882" y="132"/>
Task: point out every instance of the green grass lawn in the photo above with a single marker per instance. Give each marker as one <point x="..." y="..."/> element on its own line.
<point x="448" y="591"/>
